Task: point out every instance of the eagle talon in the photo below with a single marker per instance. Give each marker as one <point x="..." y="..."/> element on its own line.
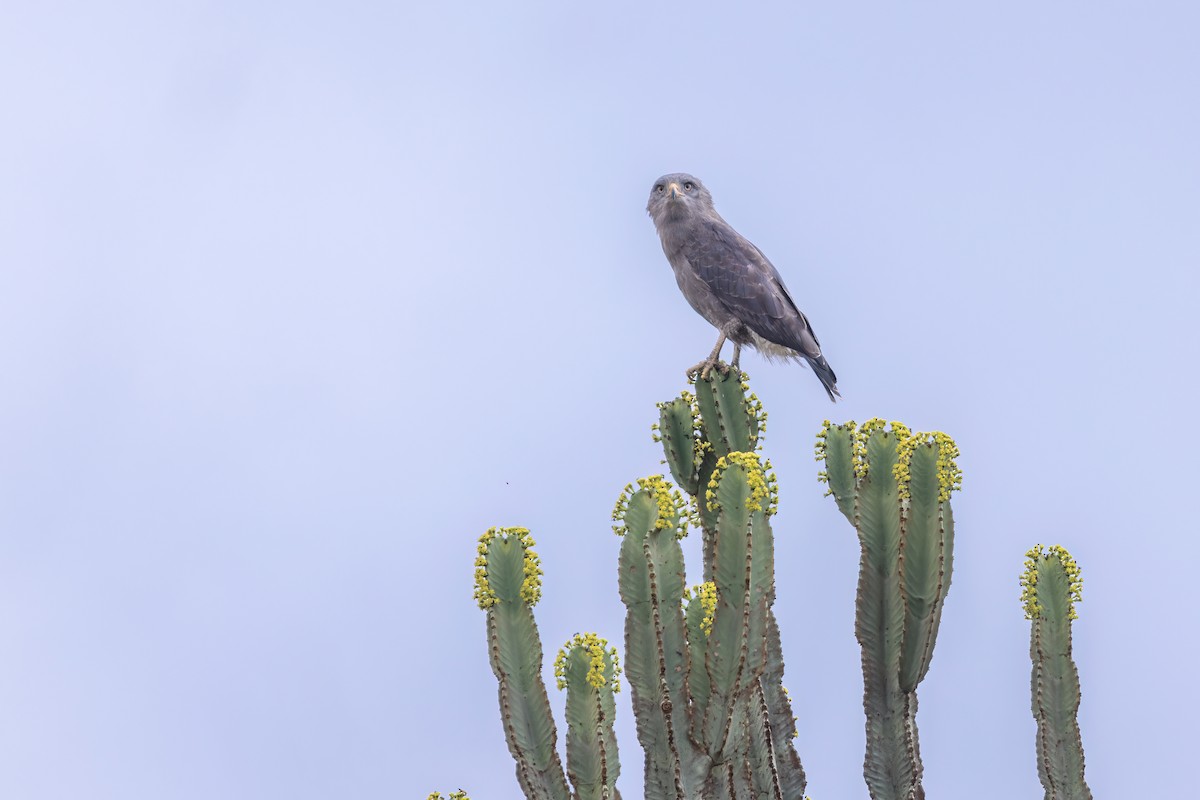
<point x="705" y="368"/>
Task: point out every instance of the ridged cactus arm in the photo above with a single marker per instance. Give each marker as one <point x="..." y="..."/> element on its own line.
<point x="700" y="605"/>
<point x="656" y="652"/>
<point x="743" y="573"/>
<point x="731" y="415"/>
<point x="892" y="765"/>
<point x="927" y="473"/>
<point x="725" y="416"/>
<point x="587" y="668"/>
<point x="705" y="515"/>
<point x="678" y="431"/>
<point x="835" y="446"/>
<point x="948" y="557"/>
<point x="762" y="757"/>
<point x="894" y="486"/>
<point x="507" y="585"/>
<point x="1051" y="585"/>
<point x="792" y="780"/>
<point x="728" y="643"/>
<point x="690" y="455"/>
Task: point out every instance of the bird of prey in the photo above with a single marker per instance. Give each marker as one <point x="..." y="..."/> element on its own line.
<point x="730" y="282"/>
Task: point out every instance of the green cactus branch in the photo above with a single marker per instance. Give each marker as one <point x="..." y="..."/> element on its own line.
<point x="709" y="440"/>
<point x="507" y="585"/>
<point x="587" y="668"/>
<point x="927" y="533"/>
<point x="1051" y="586"/>
<point x="679" y="431"/>
<point x="705" y="665"/>
<point x="894" y="486"/>
<point x="696" y="429"/>
<point x="742" y="495"/>
<point x="792" y="780"/>
<point x="651" y="585"/>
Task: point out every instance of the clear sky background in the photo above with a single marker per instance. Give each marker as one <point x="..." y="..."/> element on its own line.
<point x="296" y="300"/>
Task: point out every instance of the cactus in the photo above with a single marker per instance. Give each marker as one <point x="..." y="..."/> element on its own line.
<point x="702" y="435"/>
<point x="705" y="665"/>
<point x="1051" y="585"/>
<point x="651" y="583"/>
<point x="894" y="487"/>
<point x="743" y="571"/>
<point x="721" y="417"/>
<point x="708" y="716"/>
<point x="705" y="672"/>
<point x="507" y="586"/>
<point x="587" y="668"/>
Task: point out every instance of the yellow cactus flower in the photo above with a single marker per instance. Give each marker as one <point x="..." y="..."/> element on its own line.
<point x="600" y="656"/>
<point x="1029" y="579"/>
<point x="672" y="512"/>
<point x="706" y="595"/>
<point x="531" y="586"/>
<point x="764" y="489"/>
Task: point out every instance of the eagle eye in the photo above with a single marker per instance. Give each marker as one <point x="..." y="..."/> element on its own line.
<point x="659" y="188"/>
<point x="688" y="186"/>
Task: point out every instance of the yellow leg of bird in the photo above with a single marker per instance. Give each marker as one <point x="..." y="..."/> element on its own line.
<point x="706" y="366"/>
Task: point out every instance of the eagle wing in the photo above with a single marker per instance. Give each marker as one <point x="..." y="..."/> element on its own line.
<point x="747" y="283"/>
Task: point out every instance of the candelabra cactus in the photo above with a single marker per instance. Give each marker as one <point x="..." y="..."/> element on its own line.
<point x="651" y="583"/>
<point x="507" y="586"/>
<point x="700" y="678"/>
<point x="894" y="486"/>
<point x="705" y="665"/>
<point x="587" y="668"/>
<point x="1051" y="585"/>
<point x="703" y="435"/>
<point x="712" y="714"/>
<point x="696" y="430"/>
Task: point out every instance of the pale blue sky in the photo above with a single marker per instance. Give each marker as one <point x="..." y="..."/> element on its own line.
<point x="298" y="299"/>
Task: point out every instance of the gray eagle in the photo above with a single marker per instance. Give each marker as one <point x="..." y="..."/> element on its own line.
<point x="730" y="282"/>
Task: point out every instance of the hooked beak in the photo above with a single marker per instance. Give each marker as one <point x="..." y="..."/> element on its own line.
<point x="674" y="189"/>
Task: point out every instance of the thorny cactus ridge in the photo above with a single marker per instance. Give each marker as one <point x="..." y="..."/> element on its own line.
<point x="710" y="437"/>
<point x="1051" y="586"/>
<point x="894" y="486"/>
<point x="705" y="665"/>
<point x="507" y="585"/>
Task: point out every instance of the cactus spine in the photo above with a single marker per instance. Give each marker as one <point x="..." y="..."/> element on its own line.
<point x="1051" y="585"/>
<point x="651" y="583"/>
<point x="894" y="487"/>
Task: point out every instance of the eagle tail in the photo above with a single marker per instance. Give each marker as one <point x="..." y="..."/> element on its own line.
<point x="819" y="365"/>
<point x="825" y="373"/>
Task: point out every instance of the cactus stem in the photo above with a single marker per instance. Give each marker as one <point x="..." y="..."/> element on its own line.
<point x="768" y="741"/>
<point x="510" y="729"/>
<point x="931" y="626"/>
<point x="666" y="708"/>
<point x="744" y="646"/>
<point x="600" y="746"/>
